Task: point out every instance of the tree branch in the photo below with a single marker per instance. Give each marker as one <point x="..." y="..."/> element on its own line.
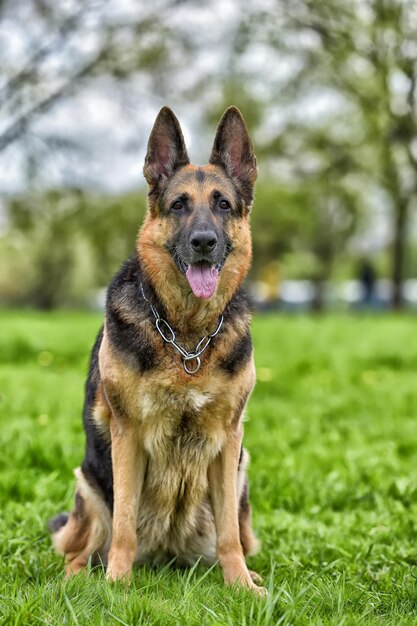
<point x="19" y="126"/>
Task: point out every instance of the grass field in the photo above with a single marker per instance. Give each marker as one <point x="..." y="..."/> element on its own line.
<point x="333" y="439"/>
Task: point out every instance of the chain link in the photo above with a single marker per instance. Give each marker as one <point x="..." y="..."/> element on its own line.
<point x="168" y="335"/>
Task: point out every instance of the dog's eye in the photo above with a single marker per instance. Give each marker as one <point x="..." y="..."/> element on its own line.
<point x="224" y="204"/>
<point x="177" y="206"/>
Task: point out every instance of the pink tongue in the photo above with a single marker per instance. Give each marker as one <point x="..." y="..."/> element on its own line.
<point x="202" y="280"/>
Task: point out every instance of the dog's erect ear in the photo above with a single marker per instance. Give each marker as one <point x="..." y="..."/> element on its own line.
<point x="233" y="150"/>
<point x="166" y="148"/>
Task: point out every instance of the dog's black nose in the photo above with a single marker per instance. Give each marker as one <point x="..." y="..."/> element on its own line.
<point x="203" y="241"/>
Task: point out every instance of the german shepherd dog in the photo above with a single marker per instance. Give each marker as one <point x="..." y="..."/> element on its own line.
<point x="164" y="473"/>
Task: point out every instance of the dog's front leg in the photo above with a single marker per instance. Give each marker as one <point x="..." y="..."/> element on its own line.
<point x="223" y="493"/>
<point x="128" y="473"/>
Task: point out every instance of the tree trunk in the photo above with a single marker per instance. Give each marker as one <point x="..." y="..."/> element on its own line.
<point x="398" y="254"/>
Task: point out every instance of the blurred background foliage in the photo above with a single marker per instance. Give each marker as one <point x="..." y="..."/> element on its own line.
<point x="329" y="93"/>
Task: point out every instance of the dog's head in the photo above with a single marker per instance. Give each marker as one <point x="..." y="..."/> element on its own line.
<point x="199" y="216"/>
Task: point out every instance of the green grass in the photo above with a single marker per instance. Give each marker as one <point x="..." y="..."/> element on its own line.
<point x="332" y="432"/>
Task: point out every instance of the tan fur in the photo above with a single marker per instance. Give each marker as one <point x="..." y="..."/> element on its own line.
<point x="155" y="404"/>
<point x="87" y="532"/>
<point x="101" y="412"/>
<point x="250" y="544"/>
<point x="129" y="463"/>
<point x="176" y="438"/>
<point x="224" y="498"/>
<point x="184" y="310"/>
<point x="143" y="414"/>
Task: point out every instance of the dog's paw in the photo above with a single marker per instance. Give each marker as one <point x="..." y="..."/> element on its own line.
<point x="255" y="576"/>
<point x="262" y="592"/>
<point x="117" y="571"/>
<point x="245" y="579"/>
<point x="249" y="583"/>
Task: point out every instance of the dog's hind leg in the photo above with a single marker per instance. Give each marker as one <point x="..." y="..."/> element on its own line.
<point x="86" y="532"/>
<point x="250" y="543"/>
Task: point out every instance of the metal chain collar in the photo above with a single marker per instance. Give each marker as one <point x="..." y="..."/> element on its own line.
<point x="163" y="328"/>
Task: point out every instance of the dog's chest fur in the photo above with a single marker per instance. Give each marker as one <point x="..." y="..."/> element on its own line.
<point x="181" y="423"/>
<point x="178" y="419"/>
<point x="176" y="415"/>
<point x="181" y="432"/>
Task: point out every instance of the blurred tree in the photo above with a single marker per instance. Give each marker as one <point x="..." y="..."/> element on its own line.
<point x="111" y="225"/>
<point x="353" y="65"/>
<point x="307" y="200"/>
<point x="327" y="88"/>
<point x="41" y="248"/>
<point x="55" y="242"/>
<point x="63" y="244"/>
<point x="53" y="50"/>
<point x="276" y="215"/>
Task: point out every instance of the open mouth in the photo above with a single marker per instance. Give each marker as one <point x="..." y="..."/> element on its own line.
<point x="202" y="277"/>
